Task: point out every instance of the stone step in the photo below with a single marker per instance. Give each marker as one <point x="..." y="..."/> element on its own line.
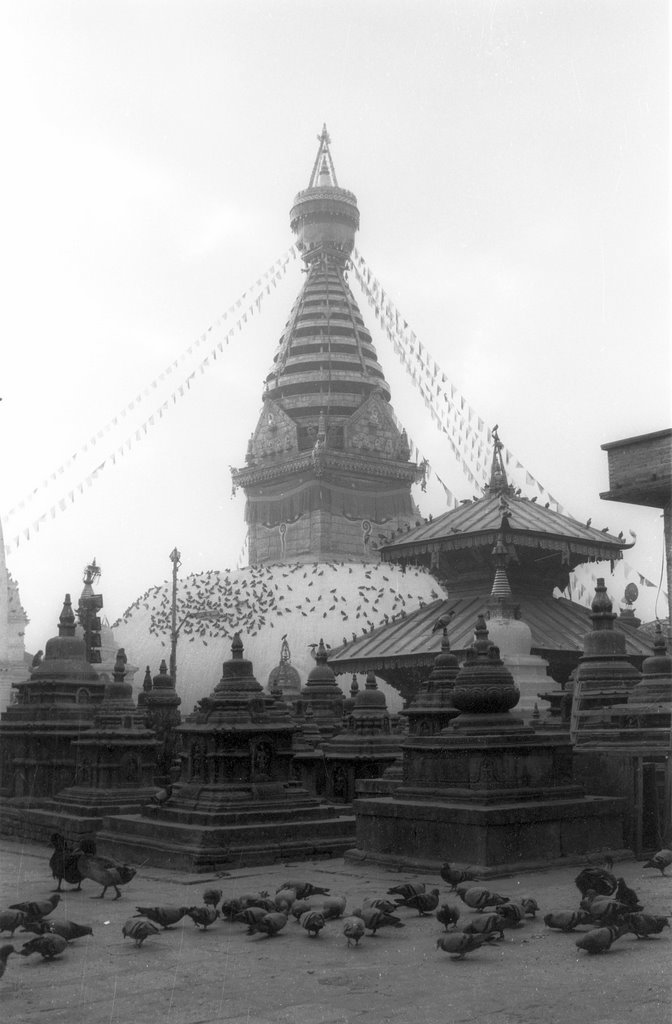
<point x="190" y="847"/>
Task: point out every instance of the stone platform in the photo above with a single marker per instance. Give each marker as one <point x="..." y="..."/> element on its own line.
<point x="503" y="836"/>
<point x="207" y="840"/>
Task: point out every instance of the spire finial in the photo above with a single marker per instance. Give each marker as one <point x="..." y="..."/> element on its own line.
<point x="323" y="168"/>
<point x="499" y="483"/>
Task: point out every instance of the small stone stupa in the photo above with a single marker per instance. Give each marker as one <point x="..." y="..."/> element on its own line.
<point x="433" y="709"/>
<point x="365" y="749"/>
<point x="53" y="707"/>
<point x="116" y="756"/>
<point x="324" y="695"/>
<point x="160" y="704"/>
<point x="605" y="676"/>
<point x="236" y="802"/>
<point x="284" y="677"/>
<point x="488" y="790"/>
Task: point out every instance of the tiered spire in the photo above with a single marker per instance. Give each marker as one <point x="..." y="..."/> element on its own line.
<point x="327" y="452"/>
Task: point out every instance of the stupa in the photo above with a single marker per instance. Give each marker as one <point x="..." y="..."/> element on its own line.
<point x="488" y="790"/>
<point x="236" y="802"/>
<point x="116" y="760"/>
<point x="327" y="468"/>
<point x="53" y="706"/>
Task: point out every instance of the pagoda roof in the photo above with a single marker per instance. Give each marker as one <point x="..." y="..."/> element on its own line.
<point x="481" y="521"/>
<point x="556" y="624"/>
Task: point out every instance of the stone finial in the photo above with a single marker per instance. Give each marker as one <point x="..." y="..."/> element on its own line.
<point x="602" y="607"/>
<point x="66" y="621"/>
<point x="354" y="686"/>
<point x="236" y="647"/>
<point x="484" y="686"/>
<point x="120" y="666"/>
<point x="147" y="681"/>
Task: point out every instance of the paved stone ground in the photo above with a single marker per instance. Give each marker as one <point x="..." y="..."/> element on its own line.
<point x="187" y="976"/>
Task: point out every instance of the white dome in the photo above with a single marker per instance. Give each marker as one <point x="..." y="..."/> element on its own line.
<point x="512" y="636"/>
<point x="305" y="602"/>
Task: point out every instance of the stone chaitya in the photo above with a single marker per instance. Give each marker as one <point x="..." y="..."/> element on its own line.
<point x="160" y="704"/>
<point x="364" y="749"/>
<point x="487" y="790"/>
<point x="620" y="721"/>
<point x="116" y="756"/>
<point x="236" y="802"/>
<point x="53" y="707"/>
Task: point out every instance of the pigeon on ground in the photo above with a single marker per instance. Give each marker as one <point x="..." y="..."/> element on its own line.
<point x="69" y="930"/>
<point x="230" y="908"/>
<point x="388" y="906"/>
<point x="283" y="900"/>
<point x="353" y="929"/>
<point x="211" y="897"/>
<point x="566" y="920"/>
<point x="304" y="889"/>
<point x="406" y="889"/>
<point x="333" y="907"/>
<point x="646" y="925"/>
<point x="511" y="913"/>
<point x="529" y="905"/>
<point x="604" y="909"/>
<point x="139" y="929"/>
<point x="600" y="881"/>
<point x="49" y="946"/>
<point x="313" y="922"/>
<point x="599" y="940"/>
<point x="459" y="944"/>
<point x="447" y="914"/>
<point x="453" y="876"/>
<point x="35" y="910"/>
<point x="5" y="953"/>
<point x="299" y="908"/>
<point x="423" y="902"/>
<point x="374" y="919"/>
<point x="63" y="863"/>
<point x="479" y="898"/>
<point x="203" y="917"/>
<point x="165" y="916"/>
<point x="660" y="860"/>
<point x="488" y="924"/>
<point x="251" y="917"/>
<point x="271" y="924"/>
<point x="628" y="896"/>
<point x="11" y="919"/>
<point x="103" y="870"/>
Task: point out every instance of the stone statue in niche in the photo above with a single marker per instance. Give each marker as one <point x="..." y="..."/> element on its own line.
<point x="262" y="759"/>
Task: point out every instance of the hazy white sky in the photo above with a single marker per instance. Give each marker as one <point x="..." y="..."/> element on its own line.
<point x="510" y="161"/>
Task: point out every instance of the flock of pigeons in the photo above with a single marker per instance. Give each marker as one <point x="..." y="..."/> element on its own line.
<point x="216" y="604"/>
<point x="607" y="909"/>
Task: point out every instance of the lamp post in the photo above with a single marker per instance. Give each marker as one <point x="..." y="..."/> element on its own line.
<point x="175" y="559"/>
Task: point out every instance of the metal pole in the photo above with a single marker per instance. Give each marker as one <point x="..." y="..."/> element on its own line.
<point x="175" y="559"/>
